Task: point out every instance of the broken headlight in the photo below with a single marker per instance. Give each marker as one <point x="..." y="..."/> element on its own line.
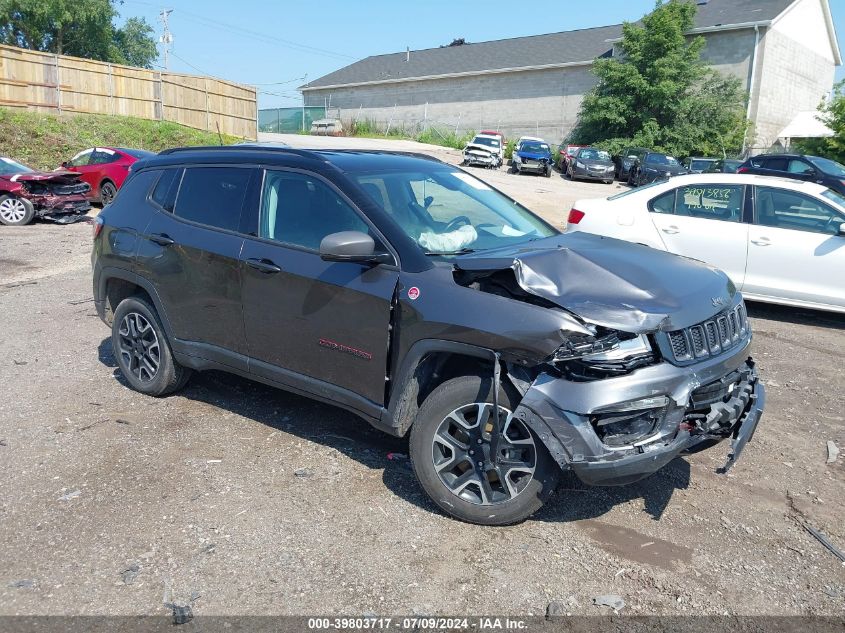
<point x="609" y="346"/>
<point x="604" y="356"/>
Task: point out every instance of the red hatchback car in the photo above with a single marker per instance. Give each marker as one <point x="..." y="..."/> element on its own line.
<point x="105" y="169"/>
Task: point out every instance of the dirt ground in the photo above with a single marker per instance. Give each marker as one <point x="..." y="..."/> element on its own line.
<point x="241" y="499"/>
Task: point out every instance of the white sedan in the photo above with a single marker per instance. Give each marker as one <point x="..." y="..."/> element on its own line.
<point x="780" y="240"/>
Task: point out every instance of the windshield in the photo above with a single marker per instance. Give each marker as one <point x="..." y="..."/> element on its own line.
<point x="700" y="164"/>
<point x="9" y="167"/>
<point x="593" y="154"/>
<point x="628" y="192"/>
<point x="828" y="166"/>
<point x="490" y="142"/>
<point x="534" y="148"/>
<point x="661" y="159"/>
<point x="448" y="211"/>
<point x="136" y="153"/>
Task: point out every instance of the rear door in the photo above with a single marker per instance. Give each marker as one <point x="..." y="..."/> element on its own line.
<point x="705" y="222"/>
<point x="794" y="251"/>
<point x="310" y="322"/>
<point x="190" y="251"/>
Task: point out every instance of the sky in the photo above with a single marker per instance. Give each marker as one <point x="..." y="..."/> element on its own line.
<point x="275" y="44"/>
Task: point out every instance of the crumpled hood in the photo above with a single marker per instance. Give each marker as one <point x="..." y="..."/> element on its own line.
<point x="484" y="148"/>
<point x="608" y="282"/>
<point x="62" y="177"/>
<point x="534" y="155"/>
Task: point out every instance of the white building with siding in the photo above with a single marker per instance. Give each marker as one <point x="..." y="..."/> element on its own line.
<point x="784" y="51"/>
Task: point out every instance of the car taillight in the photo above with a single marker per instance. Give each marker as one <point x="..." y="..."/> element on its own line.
<point x="97" y="226"/>
<point x="741" y="170"/>
<point x="575" y="216"/>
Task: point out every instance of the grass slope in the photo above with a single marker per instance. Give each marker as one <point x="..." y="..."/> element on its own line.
<point x="43" y="141"/>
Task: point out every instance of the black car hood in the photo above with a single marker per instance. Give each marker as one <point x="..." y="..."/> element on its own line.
<point x="612" y="283"/>
<point x="668" y="169"/>
<point x="594" y="162"/>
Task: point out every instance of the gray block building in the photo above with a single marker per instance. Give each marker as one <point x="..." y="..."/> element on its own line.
<point x="784" y="51"/>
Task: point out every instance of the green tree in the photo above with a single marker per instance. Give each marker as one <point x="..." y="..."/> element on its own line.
<point x="134" y="44"/>
<point x="832" y="114"/>
<point x="83" y="28"/>
<point x="659" y="93"/>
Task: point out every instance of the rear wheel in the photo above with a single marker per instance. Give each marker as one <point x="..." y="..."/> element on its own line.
<point x="107" y="192"/>
<point x="142" y="351"/>
<point x="16" y="211"/>
<point x="453" y="458"/>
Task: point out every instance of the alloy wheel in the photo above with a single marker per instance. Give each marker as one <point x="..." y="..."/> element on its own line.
<point x="139" y="347"/>
<point x="12" y="210"/>
<point x="463" y="459"/>
<point x="107" y="193"/>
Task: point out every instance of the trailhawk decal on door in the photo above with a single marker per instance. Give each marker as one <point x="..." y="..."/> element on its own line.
<point x="340" y="347"/>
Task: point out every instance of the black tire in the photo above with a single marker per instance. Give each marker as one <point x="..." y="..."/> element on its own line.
<point x="135" y="357"/>
<point x="518" y="500"/>
<point x="107" y="192"/>
<point x="15" y="211"/>
<point x="548" y="172"/>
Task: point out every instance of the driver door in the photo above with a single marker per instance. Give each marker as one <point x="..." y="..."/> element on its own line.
<point x="311" y="324"/>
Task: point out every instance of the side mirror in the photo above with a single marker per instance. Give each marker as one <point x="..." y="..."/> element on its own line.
<point x="841" y="230"/>
<point x="351" y="246"/>
<point x="64" y="164"/>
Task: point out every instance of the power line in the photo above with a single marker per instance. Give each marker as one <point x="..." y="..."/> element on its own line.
<point x="272" y="39"/>
<point x="166" y="38"/>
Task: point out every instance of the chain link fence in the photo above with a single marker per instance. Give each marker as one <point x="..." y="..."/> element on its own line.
<point x="289" y="120"/>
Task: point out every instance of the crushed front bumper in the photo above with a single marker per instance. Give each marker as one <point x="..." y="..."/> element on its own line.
<point x="488" y="160"/>
<point x="703" y="404"/>
<point x="60" y="208"/>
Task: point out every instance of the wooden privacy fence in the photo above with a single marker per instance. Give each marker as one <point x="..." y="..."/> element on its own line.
<point x="55" y="83"/>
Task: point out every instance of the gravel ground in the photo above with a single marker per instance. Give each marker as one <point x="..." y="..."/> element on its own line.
<point x="241" y="499"/>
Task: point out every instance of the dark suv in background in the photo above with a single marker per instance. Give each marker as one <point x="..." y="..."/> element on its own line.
<point x="811" y="168"/>
<point x="421" y="299"/>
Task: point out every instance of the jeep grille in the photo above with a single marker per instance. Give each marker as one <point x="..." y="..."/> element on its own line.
<point x="710" y="338"/>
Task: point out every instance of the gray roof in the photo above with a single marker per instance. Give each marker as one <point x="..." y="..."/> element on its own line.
<point x="582" y="45"/>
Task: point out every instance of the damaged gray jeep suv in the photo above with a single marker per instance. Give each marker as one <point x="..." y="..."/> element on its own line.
<point x="426" y="302"/>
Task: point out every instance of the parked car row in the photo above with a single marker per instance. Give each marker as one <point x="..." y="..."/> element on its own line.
<point x="63" y="195"/>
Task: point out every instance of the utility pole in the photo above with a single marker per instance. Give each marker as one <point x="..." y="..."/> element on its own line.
<point x="166" y="38"/>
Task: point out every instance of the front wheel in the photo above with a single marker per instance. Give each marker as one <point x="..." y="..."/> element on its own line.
<point x="16" y="211"/>
<point x="453" y="458"/>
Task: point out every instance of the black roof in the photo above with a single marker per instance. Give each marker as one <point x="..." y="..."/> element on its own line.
<point x="343" y="160"/>
<point x="582" y="45"/>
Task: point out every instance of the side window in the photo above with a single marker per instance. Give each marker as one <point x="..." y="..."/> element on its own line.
<point x="799" y="167"/>
<point x="301" y="210"/>
<point x="711" y="202"/>
<point x="212" y="196"/>
<point x="791" y="210"/>
<point x="102" y="156"/>
<point x="164" y="193"/>
<point x="775" y="162"/>
<point x="664" y="203"/>
<point x="81" y="159"/>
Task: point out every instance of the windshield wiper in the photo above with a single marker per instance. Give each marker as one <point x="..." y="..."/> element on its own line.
<point x="463" y="251"/>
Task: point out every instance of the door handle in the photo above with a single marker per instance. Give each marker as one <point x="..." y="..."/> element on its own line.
<point x="162" y="238"/>
<point x="263" y="265"/>
<point x="763" y="241"/>
<point x="671" y="230"/>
